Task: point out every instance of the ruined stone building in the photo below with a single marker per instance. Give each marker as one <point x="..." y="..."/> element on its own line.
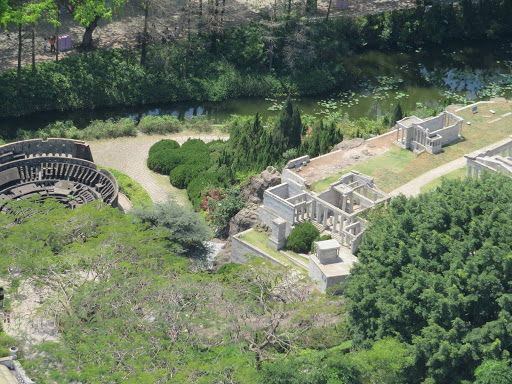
<point x="337" y="212"/>
<point x="54" y="168"/>
<point x="496" y="159"/>
<point x="430" y="135"/>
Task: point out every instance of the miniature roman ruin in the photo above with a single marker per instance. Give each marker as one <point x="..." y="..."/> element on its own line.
<point x="54" y="168"/>
<point x="496" y="159"/>
<point x="335" y="212"/>
<point x="430" y="135"/>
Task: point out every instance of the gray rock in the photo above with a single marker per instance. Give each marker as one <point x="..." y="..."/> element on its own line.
<point x="243" y="220"/>
<point x="348" y="144"/>
<point x="252" y="192"/>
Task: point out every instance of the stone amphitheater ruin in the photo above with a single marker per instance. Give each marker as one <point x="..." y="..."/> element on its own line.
<point x="54" y="168"/>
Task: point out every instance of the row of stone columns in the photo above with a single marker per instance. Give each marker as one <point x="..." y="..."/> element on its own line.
<point x="473" y="171"/>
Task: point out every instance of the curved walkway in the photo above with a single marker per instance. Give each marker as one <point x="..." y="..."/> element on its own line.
<point x="412" y="188"/>
<point x="129" y="155"/>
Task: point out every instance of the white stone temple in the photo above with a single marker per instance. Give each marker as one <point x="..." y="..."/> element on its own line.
<point x="430" y="135"/>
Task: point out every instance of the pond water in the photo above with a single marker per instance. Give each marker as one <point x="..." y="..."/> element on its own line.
<point x="466" y="71"/>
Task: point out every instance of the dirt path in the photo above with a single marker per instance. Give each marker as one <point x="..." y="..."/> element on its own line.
<point x="129" y="155"/>
<point x="121" y="32"/>
<point x="331" y="163"/>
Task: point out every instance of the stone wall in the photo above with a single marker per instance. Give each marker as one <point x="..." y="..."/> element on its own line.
<point x="241" y="248"/>
<point x="289" y="175"/>
<point x="49" y="147"/>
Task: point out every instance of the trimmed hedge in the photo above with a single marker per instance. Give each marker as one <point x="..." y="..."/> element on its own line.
<point x="302" y="237"/>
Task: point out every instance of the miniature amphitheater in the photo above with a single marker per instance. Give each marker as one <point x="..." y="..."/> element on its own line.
<point x="54" y="168"/>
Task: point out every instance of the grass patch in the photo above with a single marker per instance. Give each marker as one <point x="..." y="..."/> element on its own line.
<point x="383" y="166"/>
<point x="457" y="174"/>
<point x="132" y="189"/>
<point x="397" y="166"/>
<point x="260" y="240"/>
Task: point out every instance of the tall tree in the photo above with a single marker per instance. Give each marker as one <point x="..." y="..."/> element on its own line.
<point x="89" y="12"/>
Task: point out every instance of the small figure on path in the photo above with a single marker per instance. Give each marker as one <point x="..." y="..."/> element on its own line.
<point x="176" y="33"/>
<point x="52" y="44"/>
<point x="45" y="44"/>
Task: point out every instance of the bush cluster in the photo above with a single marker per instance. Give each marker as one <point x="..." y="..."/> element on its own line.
<point x="301" y="237"/>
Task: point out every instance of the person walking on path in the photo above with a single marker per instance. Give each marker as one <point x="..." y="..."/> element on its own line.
<point x="45" y="44"/>
<point x="52" y="44"/>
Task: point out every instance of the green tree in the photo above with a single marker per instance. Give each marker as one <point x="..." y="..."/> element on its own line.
<point x="88" y="12"/>
<point x="434" y="272"/>
<point x="494" y="372"/>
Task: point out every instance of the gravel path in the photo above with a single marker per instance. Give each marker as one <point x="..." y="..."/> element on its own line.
<point x="129" y="155"/>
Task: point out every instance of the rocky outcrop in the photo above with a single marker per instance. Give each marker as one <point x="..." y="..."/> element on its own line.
<point x="348" y="144"/>
<point x="252" y="192"/>
<point x="243" y="220"/>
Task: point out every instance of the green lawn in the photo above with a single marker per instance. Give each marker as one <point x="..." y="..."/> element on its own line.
<point x="457" y="174"/>
<point x="397" y="166"/>
<point x="260" y="240"/>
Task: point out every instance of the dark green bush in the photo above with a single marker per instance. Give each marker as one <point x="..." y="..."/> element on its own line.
<point x="302" y="237"/>
<point x="319" y="238"/>
<point x="164" y="156"/>
<point x="204" y="181"/>
<point x="182" y="175"/>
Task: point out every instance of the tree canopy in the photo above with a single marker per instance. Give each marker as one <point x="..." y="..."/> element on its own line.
<point x="436" y="271"/>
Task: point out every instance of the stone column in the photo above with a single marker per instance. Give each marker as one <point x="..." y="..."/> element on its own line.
<point x="397" y="132"/>
<point x="324" y="222"/>
<point x="317" y="212"/>
<point x="475" y="172"/>
<point x="468" y="173"/>
<point x="344" y="205"/>
<point x="334" y="222"/>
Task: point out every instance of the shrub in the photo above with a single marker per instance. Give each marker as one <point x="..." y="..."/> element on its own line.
<point x="221" y="206"/>
<point x="181" y="176"/>
<point x="302" y="237"/>
<point x="159" y="124"/>
<point x="164" y="156"/>
<point x="319" y="238"/>
<point x="203" y="182"/>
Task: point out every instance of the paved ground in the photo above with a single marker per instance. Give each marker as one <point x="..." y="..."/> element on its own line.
<point x="129" y="155"/>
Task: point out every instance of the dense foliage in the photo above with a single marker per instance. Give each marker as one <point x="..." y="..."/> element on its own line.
<point x="301" y="237"/>
<point x="254" y="60"/>
<point x="128" y="310"/>
<point x="436" y="271"/>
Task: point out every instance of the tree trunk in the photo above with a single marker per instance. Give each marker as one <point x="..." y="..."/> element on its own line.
<point x="20" y="47"/>
<point x="87" y="39"/>
<point x="328" y="11"/>
<point x="57" y="35"/>
<point x="187" y="54"/>
<point x="215" y="27"/>
<point x="289" y="9"/>
<point x="144" y="35"/>
<point x="33" y="49"/>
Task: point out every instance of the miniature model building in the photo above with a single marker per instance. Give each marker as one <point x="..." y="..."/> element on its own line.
<point x="417" y="134"/>
<point x="327" y="268"/>
<point x="54" y="168"/>
<point x="334" y="211"/>
<point x="497" y="159"/>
